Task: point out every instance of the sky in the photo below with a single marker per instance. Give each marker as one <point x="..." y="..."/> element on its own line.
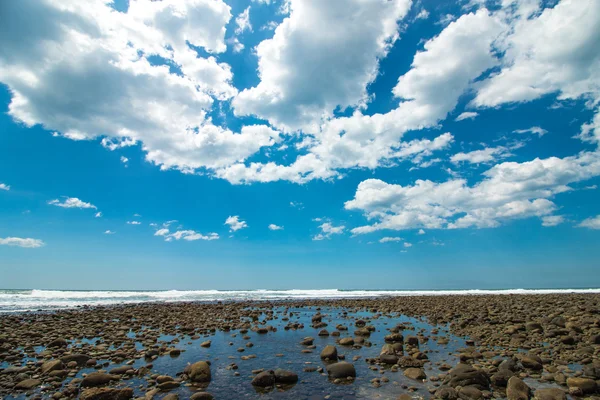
<point x="279" y="144"/>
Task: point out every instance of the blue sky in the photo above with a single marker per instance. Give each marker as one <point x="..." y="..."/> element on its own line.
<point x="278" y="144"/>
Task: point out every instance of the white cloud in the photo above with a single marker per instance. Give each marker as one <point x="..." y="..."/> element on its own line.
<point x="21" y="242"/>
<point x="534" y="129"/>
<point x="552" y="220"/>
<point x="423" y="14"/>
<point x="327" y="230"/>
<point x="98" y="215"/>
<point x="321" y="56"/>
<point x="134" y="223"/>
<point x="109" y="232"/>
<point x="591" y="223"/>
<point x="4" y="186"/>
<point x="480" y="156"/>
<point x="296" y="204"/>
<point x="555" y="52"/>
<point x="188" y="235"/>
<point x="60" y="54"/>
<point x="388" y="239"/>
<point x="71" y="202"/>
<point x="509" y="190"/>
<point x="243" y="22"/>
<point x="429" y="91"/>
<point x="421" y="232"/>
<point x="467" y="115"/>
<point x="124" y="160"/>
<point x="235" y="224"/>
<point x="274" y="227"/>
<point x="406" y="244"/>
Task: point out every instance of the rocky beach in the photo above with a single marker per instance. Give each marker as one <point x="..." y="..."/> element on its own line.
<point x="542" y="346"/>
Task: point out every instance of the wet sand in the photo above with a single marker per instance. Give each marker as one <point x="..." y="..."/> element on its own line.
<point x="450" y="347"/>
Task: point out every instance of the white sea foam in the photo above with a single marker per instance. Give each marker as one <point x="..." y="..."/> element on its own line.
<point x="31" y="300"/>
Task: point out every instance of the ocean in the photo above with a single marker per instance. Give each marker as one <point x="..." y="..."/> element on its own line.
<point x="12" y="300"/>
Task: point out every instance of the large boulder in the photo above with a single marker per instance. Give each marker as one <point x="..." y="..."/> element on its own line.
<point x="470" y="393"/>
<point x="97" y="379"/>
<point x="264" y="379"/>
<point x="199" y="372"/>
<point x="446" y="393"/>
<point x="341" y="370"/>
<point x="516" y="389"/>
<point x="329" y="352"/>
<point x="106" y="394"/>
<point x="467" y="375"/>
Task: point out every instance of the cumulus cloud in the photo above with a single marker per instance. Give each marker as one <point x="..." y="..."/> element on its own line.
<point x="109" y="232"/>
<point x="509" y="190"/>
<point x="235" y="224"/>
<point x="4" y="186"/>
<point x="188" y="235"/>
<point x="327" y="230"/>
<point x="406" y="244"/>
<point x="21" y="242"/>
<point x="243" y="22"/>
<point x="134" y="223"/>
<point x="98" y="215"/>
<point x="552" y="220"/>
<point x="274" y="227"/>
<point x="320" y="58"/>
<point x="71" y="202"/>
<point x="591" y="223"/>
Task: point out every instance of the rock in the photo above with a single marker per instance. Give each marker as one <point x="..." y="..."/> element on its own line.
<point x="347" y="341"/>
<point x="28" y="384"/>
<point x="466" y="375"/>
<point x="199" y="372"/>
<point x="341" y="370"/>
<point x="264" y="379"/>
<point x="285" y="377"/>
<point x="58" y="343"/>
<point x="201" y="396"/>
<point x="550" y="394"/>
<point x="205" y="344"/>
<point x="531" y="362"/>
<point x="106" y="394"/>
<point x="97" y="379"/>
<point x="171" y="396"/>
<point x="412" y="341"/>
<point x="394" y="338"/>
<point x="533" y="327"/>
<point x="470" y="393"/>
<point x="121" y="370"/>
<point x="52" y="365"/>
<point x="389" y="359"/>
<point x="80" y="359"/>
<point x="501" y="377"/>
<point x="168" y="385"/>
<point x="415" y="373"/>
<point x="516" y="389"/>
<point x="164" y="378"/>
<point x="446" y="393"/>
<point x="585" y="384"/>
<point x="329" y="352"/>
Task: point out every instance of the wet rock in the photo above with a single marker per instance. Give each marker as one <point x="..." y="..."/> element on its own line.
<point x="264" y="379"/>
<point x="501" y="377"/>
<point x="205" y="344"/>
<point x="28" y="384"/>
<point x="341" y="370"/>
<point x="80" y="359"/>
<point x="516" y="389"/>
<point x="329" y="352"/>
<point x="285" y="377"/>
<point x="199" y="372"/>
<point x="470" y="393"/>
<point x="466" y="375"/>
<point x="586" y="385"/>
<point x="168" y="385"/>
<point x="107" y="394"/>
<point x="97" y="379"/>
<point x="347" y="341"/>
<point x="415" y="373"/>
<point x="58" y="343"/>
<point x="121" y="370"/>
<point x="446" y="393"/>
<point x="52" y="365"/>
<point x="550" y="394"/>
<point x="201" y="396"/>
